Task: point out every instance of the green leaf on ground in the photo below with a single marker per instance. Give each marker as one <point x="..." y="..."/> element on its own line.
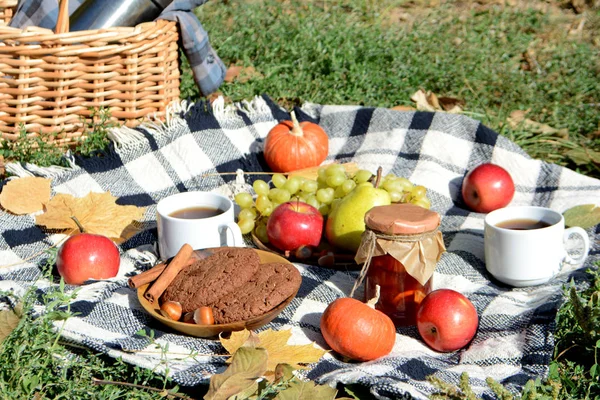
<point x="584" y="216"/>
<point x="247" y="365"/>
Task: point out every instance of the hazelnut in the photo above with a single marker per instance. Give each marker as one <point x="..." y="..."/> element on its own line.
<point x="200" y="316"/>
<point x="171" y="309"/>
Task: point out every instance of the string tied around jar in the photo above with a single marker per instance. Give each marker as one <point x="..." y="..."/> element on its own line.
<point x="369" y="245"/>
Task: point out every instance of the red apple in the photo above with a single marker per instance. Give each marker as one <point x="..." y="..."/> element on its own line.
<point x="294" y="224"/>
<point x="87" y="256"/>
<point x="446" y="320"/>
<point x="487" y="188"/>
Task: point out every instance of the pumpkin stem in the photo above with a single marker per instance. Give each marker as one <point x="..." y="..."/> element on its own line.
<point x="81" y="229"/>
<point x="378" y="177"/>
<point x="371" y="303"/>
<point x="296" y="128"/>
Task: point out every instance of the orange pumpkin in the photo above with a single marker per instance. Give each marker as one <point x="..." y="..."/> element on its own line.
<point x="291" y="145"/>
<point x="357" y="330"/>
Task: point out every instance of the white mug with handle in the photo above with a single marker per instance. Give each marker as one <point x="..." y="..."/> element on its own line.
<point x="526" y="246"/>
<point x="201" y="219"/>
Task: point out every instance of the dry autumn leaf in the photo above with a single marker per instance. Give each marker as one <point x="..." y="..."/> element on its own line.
<point x="9" y="319"/>
<point x="240" y="377"/>
<point x="241" y="74"/>
<point x="25" y="195"/>
<point x="98" y="213"/>
<point x="403" y="108"/>
<point x="275" y="342"/>
<point x="518" y="119"/>
<point x="428" y="101"/>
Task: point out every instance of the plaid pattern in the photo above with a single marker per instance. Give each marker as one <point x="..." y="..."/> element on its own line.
<point x="515" y="338"/>
<point x="209" y="70"/>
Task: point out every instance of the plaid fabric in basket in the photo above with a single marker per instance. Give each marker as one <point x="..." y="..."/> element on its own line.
<point x="515" y="340"/>
<point x="209" y="70"/>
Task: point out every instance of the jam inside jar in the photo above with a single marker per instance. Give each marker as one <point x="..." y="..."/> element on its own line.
<point x="400" y="293"/>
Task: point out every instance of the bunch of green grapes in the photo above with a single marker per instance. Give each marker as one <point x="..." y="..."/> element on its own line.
<point x="331" y="186"/>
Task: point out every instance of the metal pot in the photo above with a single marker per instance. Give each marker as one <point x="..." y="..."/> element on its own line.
<point x="98" y="14"/>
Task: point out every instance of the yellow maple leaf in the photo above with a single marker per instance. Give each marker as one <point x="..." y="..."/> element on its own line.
<point x="98" y="213"/>
<point x="275" y="342"/>
<point x="25" y="195"/>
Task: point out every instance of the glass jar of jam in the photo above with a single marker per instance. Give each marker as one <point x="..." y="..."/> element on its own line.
<point x="400" y="249"/>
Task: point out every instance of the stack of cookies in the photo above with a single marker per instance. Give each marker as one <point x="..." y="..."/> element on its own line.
<point x="234" y="284"/>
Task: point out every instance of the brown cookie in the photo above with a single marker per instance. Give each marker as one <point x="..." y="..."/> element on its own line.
<point x="208" y="280"/>
<point x="271" y="285"/>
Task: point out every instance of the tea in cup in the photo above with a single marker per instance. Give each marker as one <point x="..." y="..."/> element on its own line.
<point x="526" y="246"/>
<point x="202" y="219"/>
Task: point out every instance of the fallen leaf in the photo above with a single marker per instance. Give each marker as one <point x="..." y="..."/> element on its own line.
<point x="9" y="319"/>
<point x="247" y="364"/>
<point x="98" y="213"/>
<point x="582" y="156"/>
<point x="517" y="119"/>
<point x="584" y="216"/>
<point x="235" y="341"/>
<point x="25" y="195"/>
<point x="241" y="74"/>
<point x="284" y="372"/>
<point x="403" y="108"/>
<point x="451" y="104"/>
<point x="420" y="97"/>
<point x="428" y="101"/>
<point x="232" y="72"/>
<point x="275" y="342"/>
<point x="306" y="390"/>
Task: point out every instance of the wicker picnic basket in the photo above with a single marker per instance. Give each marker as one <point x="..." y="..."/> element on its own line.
<point x="6" y="10"/>
<point x="51" y="82"/>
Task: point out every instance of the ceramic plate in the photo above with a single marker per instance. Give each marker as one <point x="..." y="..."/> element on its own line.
<point x="213" y="330"/>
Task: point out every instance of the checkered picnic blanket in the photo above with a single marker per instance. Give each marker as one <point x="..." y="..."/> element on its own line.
<point x="514" y="342"/>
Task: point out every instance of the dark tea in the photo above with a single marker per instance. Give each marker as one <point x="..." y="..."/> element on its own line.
<point x="197" y="212"/>
<point x="522" y="224"/>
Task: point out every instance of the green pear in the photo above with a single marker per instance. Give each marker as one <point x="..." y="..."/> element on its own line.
<point x="346" y="223"/>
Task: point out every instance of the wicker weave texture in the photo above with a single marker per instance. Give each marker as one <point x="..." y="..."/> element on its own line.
<point x="50" y="83"/>
<point x="7" y="7"/>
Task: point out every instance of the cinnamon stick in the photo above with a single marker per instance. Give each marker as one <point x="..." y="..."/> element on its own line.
<point x="147" y="276"/>
<point x="178" y="263"/>
<point x="152" y="274"/>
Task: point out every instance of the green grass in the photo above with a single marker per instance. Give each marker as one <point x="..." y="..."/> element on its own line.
<point x="375" y="54"/>
<point x="360" y="52"/>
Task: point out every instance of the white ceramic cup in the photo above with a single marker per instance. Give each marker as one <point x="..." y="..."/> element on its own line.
<point x="201" y="233"/>
<point x="529" y="257"/>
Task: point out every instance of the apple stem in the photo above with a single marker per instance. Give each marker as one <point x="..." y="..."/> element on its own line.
<point x="378" y="177"/>
<point x="296" y="129"/>
<point x="371" y="303"/>
<point x="81" y="229"/>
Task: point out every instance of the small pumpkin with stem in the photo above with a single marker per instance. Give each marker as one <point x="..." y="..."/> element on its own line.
<point x="357" y="330"/>
<point x="293" y="145"/>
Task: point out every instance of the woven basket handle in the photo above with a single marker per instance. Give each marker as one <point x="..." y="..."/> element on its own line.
<point x="62" y="22"/>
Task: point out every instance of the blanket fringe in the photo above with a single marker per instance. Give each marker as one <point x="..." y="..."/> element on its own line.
<point x="223" y="112"/>
<point x="125" y="138"/>
<point x="54" y="171"/>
